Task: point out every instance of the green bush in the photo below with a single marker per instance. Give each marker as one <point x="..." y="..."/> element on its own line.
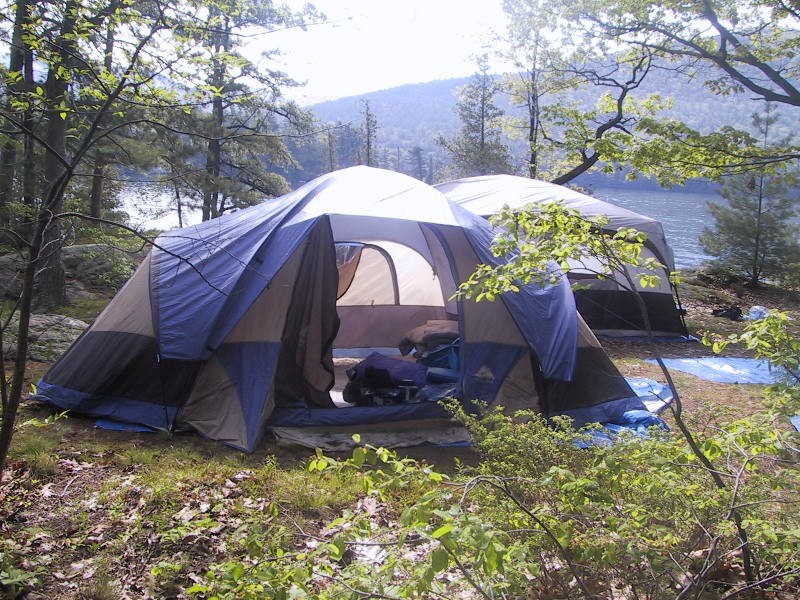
<point x="542" y="515"/>
<point x="549" y="514"/>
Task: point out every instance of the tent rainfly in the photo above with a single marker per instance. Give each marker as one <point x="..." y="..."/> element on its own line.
<point x="229" y="327"/>
<point x="607" y="304"/>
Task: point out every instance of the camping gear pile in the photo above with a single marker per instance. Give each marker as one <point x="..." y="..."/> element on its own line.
<point x="381" y="379"/>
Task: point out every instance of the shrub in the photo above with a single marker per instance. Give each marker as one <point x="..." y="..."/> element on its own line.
<point x="543" y="515"/>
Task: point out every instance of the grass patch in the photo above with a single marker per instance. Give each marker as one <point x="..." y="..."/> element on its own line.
<point x="84" y="309"/>
<point x="39" y="454"/>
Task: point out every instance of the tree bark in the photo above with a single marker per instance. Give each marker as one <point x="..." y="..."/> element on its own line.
<point x="11" y="170"/>
<point x="99" y="173"/>
<point x="98" y="187"/>
<point x="52" y="285"/>
<point x="211" y="200"/>
<point x="11" y="403"/>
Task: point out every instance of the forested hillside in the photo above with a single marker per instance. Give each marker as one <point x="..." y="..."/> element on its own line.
<point x="413" y="115"/>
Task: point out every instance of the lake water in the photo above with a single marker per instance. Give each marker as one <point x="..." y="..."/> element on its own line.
<point x="682" y="214"/>
<point x="150" y="206"/>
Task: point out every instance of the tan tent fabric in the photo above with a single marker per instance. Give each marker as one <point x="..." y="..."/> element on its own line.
<point x="213" y="408"/>
<point x="347" y="259"/>
<point x="381" y="326"/>
<point x="131" y="313"/>
<point x="520" y="389"/>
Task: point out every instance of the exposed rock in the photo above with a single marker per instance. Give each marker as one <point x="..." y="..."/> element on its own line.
<point x="91" y="270"/>
<point x="48" y="338"/>
<point x="11" y="266"/>
<point x="98" y="265"/>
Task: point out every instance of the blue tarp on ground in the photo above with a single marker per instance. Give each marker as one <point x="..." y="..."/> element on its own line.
<point x="730" y="370"/>
<point x="726" y="370"/>
<point x="654" y="395"/>
<point x="637" y="413"/>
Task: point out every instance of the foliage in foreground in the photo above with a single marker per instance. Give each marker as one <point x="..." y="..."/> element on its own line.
<point x="544" y="516"/>
<point x="773" y="339"/>
<point x="551" y="512"/>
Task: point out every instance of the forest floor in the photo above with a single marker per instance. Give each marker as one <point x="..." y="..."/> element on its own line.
<point x="92" y="513"/>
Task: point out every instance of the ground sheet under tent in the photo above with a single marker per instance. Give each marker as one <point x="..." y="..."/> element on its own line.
<point x="638" y="414"/>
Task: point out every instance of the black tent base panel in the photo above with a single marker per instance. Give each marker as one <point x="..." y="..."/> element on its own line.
<point x="618" y="310"/>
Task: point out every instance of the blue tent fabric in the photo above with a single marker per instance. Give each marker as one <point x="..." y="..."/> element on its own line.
<point x="124" y="410"/>
<point x="490" y="363"/>
<point x="558" y="327"/>
<point x="112" y="425"/>
<point x="726" y="370"/>
<point x="269" y="259"/>
<point x="285" y="416"/>
<point x="250" y="366"/>
<point x="637" y="414"/>
<point x="207" y="263"/>
<point x="636" y="422"/>
<point x="553" y="333"/>
<point x="607" y="412"/>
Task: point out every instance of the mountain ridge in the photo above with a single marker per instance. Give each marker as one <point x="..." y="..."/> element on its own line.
<point x="415" y="114"/>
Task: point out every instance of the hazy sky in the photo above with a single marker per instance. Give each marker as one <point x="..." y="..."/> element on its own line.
<point x="371" y="45"/>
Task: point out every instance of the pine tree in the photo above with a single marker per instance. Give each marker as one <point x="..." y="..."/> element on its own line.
<point x="370" y="132"/>
<point x="416" y="161"/>
<point x="755" y="234"/>
<point x="477" y="149"/>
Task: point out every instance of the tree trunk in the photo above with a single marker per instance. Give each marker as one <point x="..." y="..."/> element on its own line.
<point x="213" y="170"/>
<point x="99" y="173"/>
<point x="20" y="61"/>
<point x="533" y="126"/>
<point x="11" y="403"/>
<point x="331" y="152"/>
<point x="16" y="62"/>
<point x="211" y="196"/>
<point x="52" y="285"/>
<point x="98" y="186"/>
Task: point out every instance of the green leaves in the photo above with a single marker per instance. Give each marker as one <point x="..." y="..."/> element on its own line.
<point x="772" y="338"/>
<point x="320" y="462"/>
<point x="730" y="48"/>
<point x="539" y="243"/>
<point x="443" y="531"/>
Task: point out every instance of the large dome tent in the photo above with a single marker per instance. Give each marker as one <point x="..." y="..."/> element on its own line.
<point x="229" y="327"/>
